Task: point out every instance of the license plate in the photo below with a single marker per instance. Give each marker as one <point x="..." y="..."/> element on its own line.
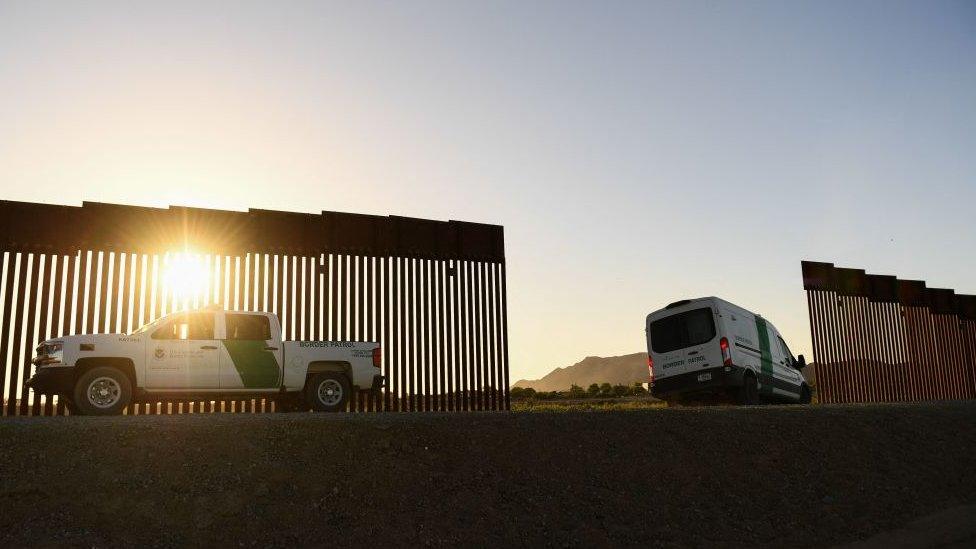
<point x="705" y="377"/>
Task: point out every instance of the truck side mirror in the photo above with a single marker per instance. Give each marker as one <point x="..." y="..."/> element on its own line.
<point x="801" y="362"/>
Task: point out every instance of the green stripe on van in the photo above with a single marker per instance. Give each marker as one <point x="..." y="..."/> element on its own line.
<point x="766" y="366"/>
<point x="257" y="367"/>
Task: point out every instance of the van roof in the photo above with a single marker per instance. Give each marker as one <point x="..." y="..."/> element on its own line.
<point x="686" y="304"/>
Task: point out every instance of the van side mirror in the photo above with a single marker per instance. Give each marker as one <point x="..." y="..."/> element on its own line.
<point x="801" y="362"/>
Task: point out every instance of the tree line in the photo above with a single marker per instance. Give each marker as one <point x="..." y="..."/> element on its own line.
<point x="602" y="390"/>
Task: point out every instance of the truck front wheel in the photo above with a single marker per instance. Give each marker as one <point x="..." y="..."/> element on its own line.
<point x="327" y="392"/>
<point x="102" y="391"/>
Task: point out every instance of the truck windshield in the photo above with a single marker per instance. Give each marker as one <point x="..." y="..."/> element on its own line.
<point x="147" y="326"/>
<point x="682" y="330"/>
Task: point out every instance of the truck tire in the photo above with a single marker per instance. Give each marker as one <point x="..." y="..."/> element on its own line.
<point x="102" y="391"/>
<point x="328" y="392"/>
<point x="748" y="394"/>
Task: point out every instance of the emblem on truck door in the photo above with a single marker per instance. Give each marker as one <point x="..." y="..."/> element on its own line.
<point x="160" y="353"/>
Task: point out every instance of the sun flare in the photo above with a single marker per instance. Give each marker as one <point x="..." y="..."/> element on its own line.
<point x="185" y="276"/>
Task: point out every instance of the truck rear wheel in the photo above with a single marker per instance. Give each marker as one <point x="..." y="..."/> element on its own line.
<point x="328" y="392"/>
<point x="102" y="391"/>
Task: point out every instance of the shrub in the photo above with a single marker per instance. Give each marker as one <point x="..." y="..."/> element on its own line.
<point x="575" y="391"/>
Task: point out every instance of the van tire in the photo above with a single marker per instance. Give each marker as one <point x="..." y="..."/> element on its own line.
<point x="328" y="392"/>
<point x="805" y="397"/>
<point x="102" y="391"/>
<point x="748" y="393"/>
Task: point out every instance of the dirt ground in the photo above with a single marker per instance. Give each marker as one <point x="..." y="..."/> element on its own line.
<point x="810" y="476"/>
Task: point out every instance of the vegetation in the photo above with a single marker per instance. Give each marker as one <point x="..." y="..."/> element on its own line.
<point x="587" y="405"/>
<point x="575" y="392"/>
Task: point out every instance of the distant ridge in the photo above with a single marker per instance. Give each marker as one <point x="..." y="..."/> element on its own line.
<point x="624" y="370"/>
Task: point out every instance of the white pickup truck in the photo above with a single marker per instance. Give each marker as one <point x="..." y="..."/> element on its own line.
<point x="203" y="355"/>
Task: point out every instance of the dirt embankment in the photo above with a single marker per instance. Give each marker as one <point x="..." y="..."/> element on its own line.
<point x="768" y="476"/>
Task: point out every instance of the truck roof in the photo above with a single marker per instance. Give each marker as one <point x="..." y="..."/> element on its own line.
<point x="219" y="309"/>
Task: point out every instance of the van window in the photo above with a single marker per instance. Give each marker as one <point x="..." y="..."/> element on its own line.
<point x="248" y="327"/>
<point x="682" y="330"/>
<point x="786" y="350"/>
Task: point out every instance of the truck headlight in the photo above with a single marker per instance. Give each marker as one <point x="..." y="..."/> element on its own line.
<point x="50" y="353"/>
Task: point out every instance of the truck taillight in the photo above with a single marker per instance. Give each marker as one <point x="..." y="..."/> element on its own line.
<point x="650" y="366"/>
<point x="726" y="352"/>
<point x="377" y="357"/>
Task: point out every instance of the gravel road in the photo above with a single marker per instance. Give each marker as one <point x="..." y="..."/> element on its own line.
<point x="766" y="476"/>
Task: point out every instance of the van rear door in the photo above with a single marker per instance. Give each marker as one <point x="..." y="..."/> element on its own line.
<point x="682" y="342"/>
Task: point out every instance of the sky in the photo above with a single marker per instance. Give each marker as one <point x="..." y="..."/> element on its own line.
<point x="636" y="153"/>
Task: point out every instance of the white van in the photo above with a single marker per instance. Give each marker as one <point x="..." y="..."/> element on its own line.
<point x="708" y="346"/>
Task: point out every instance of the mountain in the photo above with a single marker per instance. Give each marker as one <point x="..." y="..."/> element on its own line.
<point x="624" y="370"/>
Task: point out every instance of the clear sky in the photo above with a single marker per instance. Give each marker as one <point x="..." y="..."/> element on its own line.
<point x="636" y="152"/>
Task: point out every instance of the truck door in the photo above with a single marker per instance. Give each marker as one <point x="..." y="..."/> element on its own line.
<point x="183" y="353"/>
<point x="252" y="353"/>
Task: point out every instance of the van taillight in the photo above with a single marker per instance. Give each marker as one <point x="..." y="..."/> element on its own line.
<point x="726" y="352"/>
<point x="377" y="357"/>
<point x="650" y="366"/>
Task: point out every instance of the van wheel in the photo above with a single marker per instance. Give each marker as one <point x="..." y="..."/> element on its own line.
<point x="327" y="392"/>
<point x="805" y="397"/>
<point x="102" y="391"/>
<point x="748" y="394"/>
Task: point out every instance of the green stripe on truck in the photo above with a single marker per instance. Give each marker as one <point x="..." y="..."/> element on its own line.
<point x="256" y="365"/>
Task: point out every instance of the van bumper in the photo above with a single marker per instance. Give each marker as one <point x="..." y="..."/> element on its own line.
<point x="721" y="378"/>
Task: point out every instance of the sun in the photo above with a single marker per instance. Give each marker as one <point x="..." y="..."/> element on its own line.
<point x="185" y="276"/>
